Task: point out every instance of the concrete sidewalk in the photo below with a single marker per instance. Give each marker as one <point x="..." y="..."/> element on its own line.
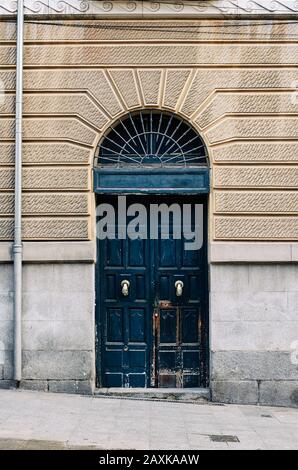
<point x="54" y="421"/>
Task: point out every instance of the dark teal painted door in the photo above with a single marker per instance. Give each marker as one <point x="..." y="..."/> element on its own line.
<point x="157" y="334"/>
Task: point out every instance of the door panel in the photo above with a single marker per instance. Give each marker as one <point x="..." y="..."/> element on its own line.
<point x="152" y="337"/>
<point x="179" y="319"/>
<point x="125" y="320"/>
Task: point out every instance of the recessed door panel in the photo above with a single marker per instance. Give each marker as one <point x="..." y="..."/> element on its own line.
<point x="137" y="252"/>
<point x="137" y="325"/>
<point x="114" y="251"/>
<point x="190" y="326"/>
<point x="141" y="287"/>
<point x="168" y="325"/>
<point x="115" y="332"/>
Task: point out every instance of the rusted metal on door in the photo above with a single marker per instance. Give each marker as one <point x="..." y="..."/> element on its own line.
<point x="154" y="367"/>
<point x="171" y="369"/>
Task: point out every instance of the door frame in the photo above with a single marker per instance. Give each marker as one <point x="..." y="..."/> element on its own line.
<point x="99" y="325"/>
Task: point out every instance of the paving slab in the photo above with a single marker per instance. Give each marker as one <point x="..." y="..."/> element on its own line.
<point x="40" y="420"/>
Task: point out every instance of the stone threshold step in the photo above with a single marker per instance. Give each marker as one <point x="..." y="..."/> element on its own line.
<point x="198" y="395"/>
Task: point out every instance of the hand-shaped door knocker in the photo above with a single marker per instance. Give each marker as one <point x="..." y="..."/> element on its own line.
<point x="179" y="288"/>
<point x="125" y="284"/>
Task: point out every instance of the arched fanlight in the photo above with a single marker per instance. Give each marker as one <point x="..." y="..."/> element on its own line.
<point x="151" y="138"/>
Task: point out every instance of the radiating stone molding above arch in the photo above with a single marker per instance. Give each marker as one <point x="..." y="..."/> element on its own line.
<point x="239" y="92"/>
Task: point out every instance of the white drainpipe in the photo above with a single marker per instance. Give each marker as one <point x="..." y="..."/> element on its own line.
<point x="17" y="244"/>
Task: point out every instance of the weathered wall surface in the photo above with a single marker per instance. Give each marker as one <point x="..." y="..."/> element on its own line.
<point x="57" y="327"/>
<point x="237" y="83"/>
<point x="254" y="324"/>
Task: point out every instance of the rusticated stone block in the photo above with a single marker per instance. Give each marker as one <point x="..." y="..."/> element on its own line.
<point x="6" y="229"/>
<point x="129" y="93"/>
<point x="150" y="84"/>
<point x="36" y="385"/>
<point x="256" y="152"/>
<point x="178" y="29"/>
<point x="46" y="153"/>
<point x="49" y="128"/>
<point x="8" y="55"/>
<point x="208" y="80"/>
<point x="71" y="386"/>
<point x="249" y="228"/>
<point x="252" y="307"/>
<point x="7" y="31"/>
<point x="256" y="202"/>
<point x="48" y="228"/>
<point x="6" y="278"/>
<point x="77" y="104"/>
<point x="251" y="278"/>
<point x="45" y="204"/>
<point x="55" y="252"/>
<point x="60" y="306"/>
<point x="75" y="229"/>
<point x="65" y="278"/>
<point x="256" y="177"/>
<point x="95" y="81"/>
<point x="276" y="127"/>
<point x="235" y="391"/>
<point x="204" y="83"/>
<point x="257" y="335"/>
<point x="253" y="365"/>
<point x="149" y="54"/>
<point x="227" y="278"/>
<point x="251" y="252"/>
<point x="7" y="358"/>
<point x="6" y="178"/>
<point x="6" y="334"/>
<point x="57" y="365"/>
<point x="6" y="384"/>
<point x="279" y="393"/>
<point x="57" y="335"/>
<point x="273" y="278"/>
<point x="250" y="103"/>
<point x="175" y="83"/>
<point x="56" y="178"/>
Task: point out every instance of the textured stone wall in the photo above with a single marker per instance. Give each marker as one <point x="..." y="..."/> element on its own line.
<point x="58" y="338"/>
<point x="254" y="326"/>
<point x="236" y="82"/>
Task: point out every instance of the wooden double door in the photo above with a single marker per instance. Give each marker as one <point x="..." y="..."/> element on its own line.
<point x="152" y="305"/>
